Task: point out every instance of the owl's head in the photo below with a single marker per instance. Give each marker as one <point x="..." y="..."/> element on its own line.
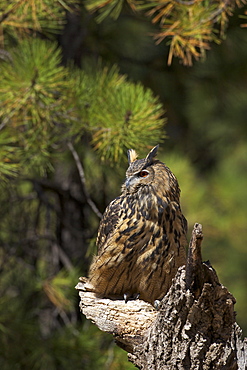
<point x="150" y="174"/>
<point x="140" y="171"/>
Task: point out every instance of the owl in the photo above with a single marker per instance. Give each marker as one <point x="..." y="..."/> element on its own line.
<point x="142" y="235"/>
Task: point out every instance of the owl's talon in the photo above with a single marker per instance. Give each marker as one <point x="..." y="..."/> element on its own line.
<point x="129" y="297"/>
<point x="157" y="303"/>
<point x="136" y="296"/>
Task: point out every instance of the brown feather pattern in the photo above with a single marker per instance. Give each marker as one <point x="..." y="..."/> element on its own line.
<point x="142" y="235"/>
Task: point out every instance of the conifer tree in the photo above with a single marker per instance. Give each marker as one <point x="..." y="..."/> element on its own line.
<point x="63" y="132"/>
<point x="188" y="26"/>
<point x="48" y="112"/>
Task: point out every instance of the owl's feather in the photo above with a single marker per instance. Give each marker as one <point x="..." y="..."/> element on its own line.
<point x="132" y="155"/>
<point x="142" y="236"/>
<point x="108" y="223"/>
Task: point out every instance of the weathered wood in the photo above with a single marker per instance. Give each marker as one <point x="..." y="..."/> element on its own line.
<point x="194" y="327"/>
<point x="128" y="322"/>
<point x="189" y="333"/>
<point x="194" y="269"/>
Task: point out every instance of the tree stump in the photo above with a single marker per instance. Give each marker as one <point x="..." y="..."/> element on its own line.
<point x="193" y="328"/>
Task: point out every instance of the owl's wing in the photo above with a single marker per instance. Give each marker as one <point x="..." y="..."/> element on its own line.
<point x="108" y="222"/>
<point x="184" y="224"/>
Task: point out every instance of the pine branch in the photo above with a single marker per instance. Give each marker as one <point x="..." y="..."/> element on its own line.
<point x="188" y="25"/>
<point x="118" y="114"/>
<point x="20" y="16"/>
<point x="83" y="180"/>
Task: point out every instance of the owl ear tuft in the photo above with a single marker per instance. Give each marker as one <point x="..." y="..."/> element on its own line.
<point x="132" y="155"/>
<point x="152" y="154"/>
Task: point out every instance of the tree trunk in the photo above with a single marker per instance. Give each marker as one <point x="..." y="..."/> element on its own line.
<point x="193" y="328"/>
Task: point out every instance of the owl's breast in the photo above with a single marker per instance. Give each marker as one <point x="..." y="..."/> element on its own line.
<point x="141" y="219"/>
<point x="145" y="204"/>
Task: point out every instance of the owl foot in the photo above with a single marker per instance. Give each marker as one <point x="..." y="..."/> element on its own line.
<point x="157" y="303"/>
<point x="130" y="297"/>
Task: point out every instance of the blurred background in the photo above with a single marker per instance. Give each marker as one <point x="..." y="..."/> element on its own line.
<point x="57" y="178"/>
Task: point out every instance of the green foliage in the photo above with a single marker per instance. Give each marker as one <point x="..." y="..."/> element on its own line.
<point x="189" y="29"/>
<point x="9" y="155"/>
<point x="30" y="338"/>
<point x="189" y="26"/>
<point x="46" y="104"/>
<point x="18" y="18"/>
<point x="121" y="114"/>
<point x="35" y="100"/>
<point x="106" y="8"/>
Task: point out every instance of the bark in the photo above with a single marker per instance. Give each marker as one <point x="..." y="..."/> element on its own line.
<point x="194" y="326"/>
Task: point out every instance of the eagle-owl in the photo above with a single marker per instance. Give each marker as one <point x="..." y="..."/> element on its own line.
<point x="142" y="235"/>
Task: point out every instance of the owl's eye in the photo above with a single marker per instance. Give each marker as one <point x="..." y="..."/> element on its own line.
<point x="143" y="173"/>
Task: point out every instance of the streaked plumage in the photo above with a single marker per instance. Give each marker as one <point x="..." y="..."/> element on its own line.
<point x="142" y="235"/>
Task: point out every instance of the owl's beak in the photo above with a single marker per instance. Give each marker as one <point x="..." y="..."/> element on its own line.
<point x="130" y="182"/>
<point x="127" y="183"/>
